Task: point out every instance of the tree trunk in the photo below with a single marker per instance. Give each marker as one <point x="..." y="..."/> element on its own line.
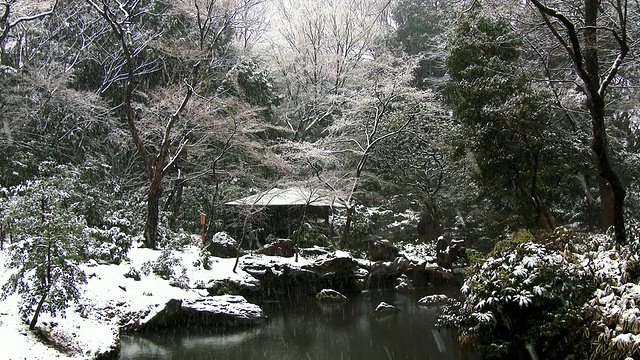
<point x="587" y="66"/>
<point x="174" y="202"/>
<point x="611" y="189"/>
<point x="36" y="314"/>
<point x="346" y="233"/>
<point x="153" y="213"/>
<point x="596" y="105"/>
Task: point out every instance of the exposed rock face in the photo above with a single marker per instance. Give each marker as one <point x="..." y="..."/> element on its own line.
<point x="385" y="309"/>
<point x="380" y="276"/>
<point x="224" y="246"/>
<point x="383" y="250"/>
<point x="330" y="296"/>
<point x="403" y="274"/>
<point x="315" y="251"/>
<point x="280" y="247"/>
<point x="229" y="287"/>
<point x="334" y="271"/>
<point x="228" y="311"/>
<point x="433" y="300"/>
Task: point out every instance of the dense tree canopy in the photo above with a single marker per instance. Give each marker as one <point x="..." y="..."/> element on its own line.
<point x="190" y="104"/>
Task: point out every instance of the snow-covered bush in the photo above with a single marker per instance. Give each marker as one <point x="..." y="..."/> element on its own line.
<point x="163" y="266"/>
<point x="110" y="245"/>
<point x="46" y="245"/>
<point x="561" y="295"/>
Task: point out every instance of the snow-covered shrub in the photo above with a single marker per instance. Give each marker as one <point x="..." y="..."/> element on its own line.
<point x="133" y="274"/>
<point x="173" y="240"/>
<point x="560" y="295"/>
<point x="181" y="281"/>
<point x="110" y="245"/>
<point x="163" y="266"/>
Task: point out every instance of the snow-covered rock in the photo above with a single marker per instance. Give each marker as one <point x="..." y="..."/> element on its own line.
<point x="384" y="309"/>
<point x="223" y="245"/>
<point x="433" y="300"/>
<point x="330" y="296"/>
<point x="383" y="250"/>
<point x="226" y="311"/>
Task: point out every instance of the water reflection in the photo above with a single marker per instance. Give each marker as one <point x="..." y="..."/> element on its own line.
<point x="306" y="330"/>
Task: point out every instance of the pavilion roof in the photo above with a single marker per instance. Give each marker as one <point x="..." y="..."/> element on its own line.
<point x="290" y="197"/>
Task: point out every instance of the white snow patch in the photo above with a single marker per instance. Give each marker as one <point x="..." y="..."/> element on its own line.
<point x="110" y="300"/>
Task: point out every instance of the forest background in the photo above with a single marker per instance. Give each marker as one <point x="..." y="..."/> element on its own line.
<point x="129" y="119"/>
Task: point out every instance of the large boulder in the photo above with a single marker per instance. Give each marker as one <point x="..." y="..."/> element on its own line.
<point x="336" y="271"/>
<point x="224" y="246"/>
<point x="430" y="274"/>
<point x="447" y="254"/>
<point x="380" y="276"/>
<point x="403" y="283"/>
<point x="218" y="312"/>
<point x="383" y="250"/>
<point x="280" y="247"/>
<point x="280" y="279"/>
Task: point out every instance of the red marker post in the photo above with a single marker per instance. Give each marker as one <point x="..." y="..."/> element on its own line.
<point x="203" y="219"/>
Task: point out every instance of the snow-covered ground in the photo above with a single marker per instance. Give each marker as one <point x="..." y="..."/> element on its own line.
<point x="111" y="300"/>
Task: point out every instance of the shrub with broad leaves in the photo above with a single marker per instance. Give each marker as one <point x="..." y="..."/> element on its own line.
<point x="563" y="295"/>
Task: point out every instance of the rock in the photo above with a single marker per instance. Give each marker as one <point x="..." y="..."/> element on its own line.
<point x="457" y="249"/>
<point x="399" y="265"/>
<point x="403" y="283"/>
<point x="280" y="247"/>
<point x="437" y="275"/>
<point x="383" y="250"/>
<point x="384" y="309"/>
<point x="314" y="251"/>
<point x="277" y="279"/>
<point x="224" y="246"/>
<point x="441" y="244"/>
<point x="330" y="296"/>
<point x="446" y="255"/>
<point x="228" y="311"/>
<point x="444" y="259"/>
<point x="433" y="300"/>
<point x="380" y="276"/>
<point x="336" y="271"/>
<point x="283" y="280"/>
<point x="244" y="288"/>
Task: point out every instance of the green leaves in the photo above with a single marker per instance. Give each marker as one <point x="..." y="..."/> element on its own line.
<point x="46" y="245"/>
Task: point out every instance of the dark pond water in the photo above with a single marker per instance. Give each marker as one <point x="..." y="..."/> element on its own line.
<point x="304" y="330"/>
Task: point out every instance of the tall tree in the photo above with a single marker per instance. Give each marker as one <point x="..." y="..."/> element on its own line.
<point x="378" y="110"/>
<point x="137" y="31"/>
<point x="592" y="37"/>
<point x="513" y="137"/>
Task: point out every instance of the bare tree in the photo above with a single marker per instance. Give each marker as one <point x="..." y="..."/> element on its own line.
<point x="123" y="17"/>
<point x="582" y="37"/>
<point x="316" y="50"/>
<point x="375" y="111"/>
<point x="8" y="23"/>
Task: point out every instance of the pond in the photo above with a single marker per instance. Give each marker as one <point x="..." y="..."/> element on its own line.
<point x="302" y="329"/>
